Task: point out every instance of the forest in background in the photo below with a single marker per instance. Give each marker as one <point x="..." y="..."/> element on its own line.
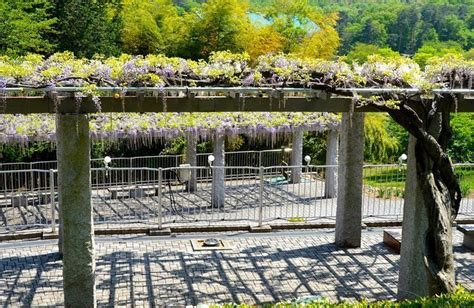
<point x="193" y="29"/>
<point x="350" y="30"/>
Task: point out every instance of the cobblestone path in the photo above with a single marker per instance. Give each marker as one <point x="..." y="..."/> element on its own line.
<point x="148" y="271"/>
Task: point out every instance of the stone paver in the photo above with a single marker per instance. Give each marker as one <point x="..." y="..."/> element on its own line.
<point x="167" y="272"/>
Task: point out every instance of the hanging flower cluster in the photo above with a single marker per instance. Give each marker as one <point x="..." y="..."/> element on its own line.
<point x="156" y="126"/>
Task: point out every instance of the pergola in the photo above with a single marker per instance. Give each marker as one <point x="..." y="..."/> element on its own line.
<point x="320" y="88"/>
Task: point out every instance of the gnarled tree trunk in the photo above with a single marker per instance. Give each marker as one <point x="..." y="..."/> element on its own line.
<point x="429" y="122"/>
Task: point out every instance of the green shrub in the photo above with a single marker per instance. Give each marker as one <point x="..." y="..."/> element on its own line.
<point x="460" y="298"/>
<point x="465" y="190"/>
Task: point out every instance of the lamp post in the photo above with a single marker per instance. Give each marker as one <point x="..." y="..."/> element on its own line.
<point x="307" y="159"/>
<point x="107" y="161"/>
<point x="402" y="158"/>
<point x="210" y="160"/>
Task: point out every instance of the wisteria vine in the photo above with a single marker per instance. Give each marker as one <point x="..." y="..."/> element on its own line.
<point x="226" y="69"/>
<point x="34" y="74"/>
<point x="150" y="127"/>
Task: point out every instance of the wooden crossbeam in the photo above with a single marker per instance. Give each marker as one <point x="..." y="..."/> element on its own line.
<point x="28" y="105"/>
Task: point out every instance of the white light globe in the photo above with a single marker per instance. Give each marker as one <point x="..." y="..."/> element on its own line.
<point x="210" y="158"/>
<point x="307" y="158"/>
<point x="107" y="159"/>
<point x="403" y="157"/>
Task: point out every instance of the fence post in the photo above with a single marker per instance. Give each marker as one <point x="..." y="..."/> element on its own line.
<point x="31" y="177"/>
<point x="53" y="203"/>
<point x="260" y="198"/>
<point x="160" y="205"/>
<point x="130" y="171"/>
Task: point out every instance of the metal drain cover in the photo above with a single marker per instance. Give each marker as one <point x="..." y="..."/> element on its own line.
<point x="210" y="244"/>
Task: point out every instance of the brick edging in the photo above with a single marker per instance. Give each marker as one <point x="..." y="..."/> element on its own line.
<point x="24" y="235"/>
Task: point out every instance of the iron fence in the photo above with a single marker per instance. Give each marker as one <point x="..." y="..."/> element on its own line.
<point x="28" y="199"/>
<point x="250" y="194"/>
<point x="236" y="158"/>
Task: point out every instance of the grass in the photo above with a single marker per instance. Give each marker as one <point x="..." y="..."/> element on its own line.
<point x="380" y="177"/>
<point x="461" y="298"/>
<point x="387" y="182"/>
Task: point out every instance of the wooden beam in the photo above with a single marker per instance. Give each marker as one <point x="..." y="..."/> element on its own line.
<point x="27" y="105"/>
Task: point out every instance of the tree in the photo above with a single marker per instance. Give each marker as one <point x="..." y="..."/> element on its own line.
<point x="307" y="31"/>
<point x="151" y="27"/>
<point x="469" y="55"/>
<point x="216" y="26"/>
<point x="436" y="49"/>
<point x="89" y="27"/>
<point x="461" y="147"/>
<point x="361" y="52"/>
<point x="261" y="41"/>
<point x="406" y="30"/>
<point x="25" y="26"/>
<point x="372" y="32"/>
<point x="379" y="145"/>
<point x="323" y="43"/>
<point x="428" y="120"/>
<point x="404" y="26"/>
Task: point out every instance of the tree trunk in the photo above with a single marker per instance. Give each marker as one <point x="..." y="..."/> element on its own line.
<point x="429" y="123"/>
<point x="438" y="250"/>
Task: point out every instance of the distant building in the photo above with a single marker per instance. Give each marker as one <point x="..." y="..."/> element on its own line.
<point x="307" y="24"/>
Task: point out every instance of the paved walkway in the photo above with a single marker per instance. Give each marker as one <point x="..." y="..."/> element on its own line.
<point x="148" y="271"/>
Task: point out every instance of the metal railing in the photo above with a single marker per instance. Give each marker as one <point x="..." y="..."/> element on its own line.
<point x="250" y="195"/>
<point x="28" y="198"/>
<point x="236" y="158"/>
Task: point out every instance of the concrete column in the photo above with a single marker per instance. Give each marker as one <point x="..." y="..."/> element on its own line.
<point x="349" y="201"/>
<point x="218" y="175"/>
<point x="332" y="148"/>
<point x="61" y="223"/>
<point x="412" y="281"/>
<point x="297" y="155"/>
<point x="191" y="158"/>
<point x="73" y="152"/>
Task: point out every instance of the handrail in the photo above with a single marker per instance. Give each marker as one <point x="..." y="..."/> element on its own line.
<point x="141" y="157"/>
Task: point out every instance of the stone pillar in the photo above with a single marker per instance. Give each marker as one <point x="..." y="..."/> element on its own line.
<point x="218" y="175"/>
<point x="73" y="153"/>
<point x="349" y="201"/>
<point x="297" y="155"/>
<point x="191" y="158"/>
<point x="412" y="281"/>
<point x="332" y="148"/>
